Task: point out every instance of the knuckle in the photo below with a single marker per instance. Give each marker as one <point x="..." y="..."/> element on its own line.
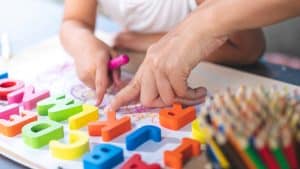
<point x="157" y="64"/>
<point x="84" y="75"/>
<point x="151" y="49"/>
<point x="134" y="85"/>
<point x="170" y="68"/>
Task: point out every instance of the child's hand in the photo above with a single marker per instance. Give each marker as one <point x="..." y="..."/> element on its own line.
<point x="93" y="70"/>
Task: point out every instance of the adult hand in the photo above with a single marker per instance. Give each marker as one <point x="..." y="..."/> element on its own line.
<point x="162" y="78"/>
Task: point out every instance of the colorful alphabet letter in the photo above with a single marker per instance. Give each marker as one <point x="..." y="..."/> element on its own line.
<point x="27" y="96"/>
<point x="40" y="133"/>
<point x="59" y="108"/>
<point x="111" y="128"/>
<point x="89" y="114"/>
<point x="7" y="86"/>
<point x="12" y="120"/>
<point x="78" y="145"/>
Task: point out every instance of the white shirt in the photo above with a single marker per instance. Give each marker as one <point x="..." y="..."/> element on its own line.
<point x="148" y="16"/>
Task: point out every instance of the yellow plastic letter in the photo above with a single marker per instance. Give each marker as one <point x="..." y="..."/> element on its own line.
<point x="78" y="145"/>
<point x="199" y="133"/>
<point x="88" y="114"/>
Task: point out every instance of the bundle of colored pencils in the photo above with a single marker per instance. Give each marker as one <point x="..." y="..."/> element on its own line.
<point x="252" y="128"/>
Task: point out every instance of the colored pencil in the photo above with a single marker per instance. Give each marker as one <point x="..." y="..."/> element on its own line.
<point x="232" y="156"/>
<point x="263" y="149"/>
<point x="212" y="157"/>
<point x="255" y="128"/>
<point x="251" y="152"/>
<point x="222" y="160"/>
<point x="279" y="155"/>
<point x="288" y="148"/>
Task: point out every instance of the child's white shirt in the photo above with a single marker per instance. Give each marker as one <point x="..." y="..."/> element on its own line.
<point x="148" y="16"/>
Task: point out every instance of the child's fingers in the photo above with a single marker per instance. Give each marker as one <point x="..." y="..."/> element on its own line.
<point x="116" y="77"/>
<point x="101" y="81"/>
<point x="116" y="73"/>
<point x="182" y="90"/>
<point x="113" y="53"/>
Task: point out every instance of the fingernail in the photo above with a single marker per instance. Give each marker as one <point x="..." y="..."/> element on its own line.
<point x="97" y="103"/>
<point x="107" y="109"/>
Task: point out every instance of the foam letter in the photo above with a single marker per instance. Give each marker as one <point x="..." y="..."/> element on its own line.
<point x="78" y="145"/>
<point x="28" y="96"/>
<point x="12" y="121"/>
<point x="103" y="156"/>
<point x="136" y="162"/>
<point x="200" y="134"/>
<point x="177" y="158"/>
<point x="59" y="108"/>
<point x="111" y="128"/>
<point x="88" y="114"/>
<point x="176" y="117"/>
<point x="3" y="75"/>
<point x="40" y="133"/>
<point x="141" y="135"/>
<point x="7" y="86"/>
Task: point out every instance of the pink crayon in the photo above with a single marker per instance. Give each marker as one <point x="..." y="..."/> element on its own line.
<point x="118" y="61"/>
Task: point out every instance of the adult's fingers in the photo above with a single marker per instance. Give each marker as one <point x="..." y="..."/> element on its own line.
<point x="181" y="88"/>
<point x="196" y="93"/>
<point x="164" y="88"/>
<point x="188" y="102"/>
<point x="149" y="92"/>
<point x="101" y="80"/>
<point x="127" y="94"/>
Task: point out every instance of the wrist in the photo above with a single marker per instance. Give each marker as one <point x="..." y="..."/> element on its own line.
<point x="200" y="32"/>
<point x="92" y="49"/>
<point x="204" y="22"/>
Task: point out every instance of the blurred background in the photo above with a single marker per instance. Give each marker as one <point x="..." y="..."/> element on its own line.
<point x="27" y="22"/>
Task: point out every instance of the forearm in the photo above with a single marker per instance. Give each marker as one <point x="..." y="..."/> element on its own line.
<point x="136" y="41"/>
<point x="77" y="30"/>
<point x="228" y="16"/>
<point x="76" y="36"/>
<point x="151" y="38"/>
<point x="243" y="47"/>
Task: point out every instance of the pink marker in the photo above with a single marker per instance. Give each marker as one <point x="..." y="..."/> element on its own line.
<point x="118" y="61"/>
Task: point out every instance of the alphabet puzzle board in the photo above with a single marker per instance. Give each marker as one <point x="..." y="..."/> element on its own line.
<point x="47" y="66"/>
